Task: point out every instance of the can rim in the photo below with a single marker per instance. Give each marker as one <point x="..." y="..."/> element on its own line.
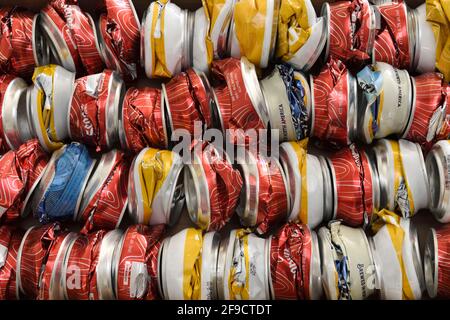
<point x="64" y="266"/>
<point x="417" y="260"/>
<point x="214" y="102"/>
<point x="315" y="278"/>
<point x="381" y="152"/>
<point x="333" y="185"/>
<point x="209" y="259"/>
<point x="56" y="290"/>
<point x="412" y="106"/>
<point x="312" y="113"/>
<point x="116" y="94"/>
<point x="104" y="268"/>
<point x="41" y="51"/>
<point x="352" y="112"/>
<point x="133" y="203"/>
<point x="160" y="268"/>
<point x="328" y="194"/>
<point x="168" y="118"/>
<point x="375" y="184"/>
<point x="19" y="288"/>
<point x="246" y="212"/>
<point x="9" y="110"/>
<point x="116" y="262"/>
<point x="431" y="270"/>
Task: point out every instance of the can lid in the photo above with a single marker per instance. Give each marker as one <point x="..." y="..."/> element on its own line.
<point x="254" y="92"/>
<point x="14" y="113"/>
<point x="380" y="153"/>
<point x="375" y="183"/>
<point x="41" y="51"/>
<point x="352" y="112"/>
<point x="19" y="288"/>
<point x="197" y="193"/>
<point x="326" y="15"/>
<point x="210" y="253"/>
<point x="105" y="265"/>
<point x="116" y="94"/>
<point x="412" y="29"/>
<point x="330" y="189"/>
<point x="188" y="39"/>
<point x="160" y="268"/>
<point x="97" y="179"/>
<point x="416" y="256"/>
<point x="431" y="261"/>
<point x="315" y="276"/>
<point x="247" y="208"/>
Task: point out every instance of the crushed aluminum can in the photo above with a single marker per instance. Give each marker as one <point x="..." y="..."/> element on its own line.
<point x="308" y="190"/>
<point x="211" y="186"/>
<point x="295" y="271"/>
<point x="239" y="99"/>
<point x="95" y="105"/>
<point x="50" y="284"/>
<point x="119" y="37"/>
<point x="438" y="169"/>
<point x="32" y="256"/>
<point x="394" y="40"/>
<point x="436" y="257"/>
<point x="425" y="44"/>
<point x="245" y="30"/>
<point x="210" y="255"/>
<point x="59" y="36"/>
<point x="22" y="46"/>
<point x="351" y="32"/>
<point x="202" y="53"/>
<point x="264" y="198"/>
<point x="104" y="200"/>
<point x="243" y="267"/>
<point x="347" y="262"/>
<point x="179" y="266"/>
<point x="78" y="270"/>
<point x="155" y="187"/>
<point x="10" y="240"/>
<point x="142" y="120"/>
<point x="286" y="113"/>
<point x="166" y="39"/>
<point x="187" y="97"/>
<point x="137" y="263"/>
<point x="14" y="127"/>
<point x="48" y="102"/>
<point x="386" y="98"/>
<point x="334" y="104"/>
<point x="428" y="108"/>
<point x="356" y="186"/>
<point x="63" y="201"/>
<point x="398" y="262"/>
<point x="403" y="176"/>
<point x="20" y="173"/>
<point x="107" y="267"/>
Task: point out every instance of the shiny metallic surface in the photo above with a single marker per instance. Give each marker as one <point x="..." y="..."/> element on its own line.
<point x="431" y="261"/>
<point x="105" y="266"/>
<point x="352" y="111"/>
<point x="326" y="12"/>
<point x="116" y="93"/>
<point x="41" y="50"/>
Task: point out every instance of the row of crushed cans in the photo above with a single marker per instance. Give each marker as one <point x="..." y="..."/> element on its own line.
<point x="350" y="185"/>
<point x="171" y="39"/>
<point x="142" y="262"/>
<point x="333" y="106"/>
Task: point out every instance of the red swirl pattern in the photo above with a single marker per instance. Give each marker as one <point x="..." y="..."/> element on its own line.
<point x="83" y="35"/>
<point x="290" y="261"/>
<point x="81" y="265"/>
<point x="49" y="267"/>
<point x="16" y="49"/>
<point x="140" y="245"/>
<point x="444" y="132"/>
<point x="88" y="112"/>
<point x="106" y="208"/>
<point x="36" y="247"/>
<point x="8" y="270"/>
<point x="120" y="30"/>
<point x="5" y="80"/>
<point x="345" y="45"/>
<point x="331" y="103"/>
<point x="273" y="196"/>
<point x="55" y="12"/>
<point x="392" y="40"/>
<point x="19" y="171"/>
<point x="224" y="185"/>
<point x="443" y="262"/>
<point x="187" y="101"/>
<point x="353" y="183"/>
<point x="429" y="96"/>
<point x="142" y="119"/>
<point x="234" y="101"/>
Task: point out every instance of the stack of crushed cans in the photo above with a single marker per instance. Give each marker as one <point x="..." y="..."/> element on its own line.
<point x="315" y="139"/>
